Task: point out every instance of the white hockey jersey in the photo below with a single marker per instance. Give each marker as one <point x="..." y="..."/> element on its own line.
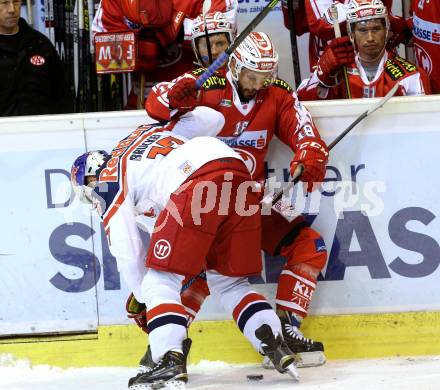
<point x="144" y="169"/>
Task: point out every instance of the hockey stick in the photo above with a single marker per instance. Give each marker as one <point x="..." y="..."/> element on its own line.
<point x="240" y="38"/>
<point x="334" y="16"/>
<point x="292" y="5"/>
<point x="271" y="200"/>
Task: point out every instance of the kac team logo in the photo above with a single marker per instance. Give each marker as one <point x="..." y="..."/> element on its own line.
<point x="37" y="60"/>
<point x="162" y="249"/>
<point x="423" y="59"/>
<point x="248" y="158"/>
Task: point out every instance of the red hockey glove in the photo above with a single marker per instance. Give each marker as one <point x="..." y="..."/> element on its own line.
<point x="337" y="54"/>
<point x="313" y="154"/>
<point x="401" y="32"/>
<point x="137" y="311"/>
<point x="169" y="34"/>
<point x="183" y="95"/>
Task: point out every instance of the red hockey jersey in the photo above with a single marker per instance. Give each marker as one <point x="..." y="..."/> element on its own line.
<point x="426" y="32"/>
<point x="249" y="127"/>
<point x="320" y="24"/>
<point x="175" y="58"/>
<point x="391" y="70"/>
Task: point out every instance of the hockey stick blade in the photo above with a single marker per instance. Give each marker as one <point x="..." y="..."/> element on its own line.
<point x="240" y="38"/>
<point x="272" y="200"/>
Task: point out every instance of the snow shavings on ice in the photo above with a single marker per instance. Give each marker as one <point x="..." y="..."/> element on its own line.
<point x="421" y="373"/>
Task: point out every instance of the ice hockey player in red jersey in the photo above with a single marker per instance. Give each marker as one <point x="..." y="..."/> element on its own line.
<point x="372" y="69"/>
<point x="211" y="34"/>
<point x="164" y="31"/>
<point x="426" y="33"/>
<point x="207" y="218"/>
<point x="318" y="21"/>
<point x="258" y="106"/>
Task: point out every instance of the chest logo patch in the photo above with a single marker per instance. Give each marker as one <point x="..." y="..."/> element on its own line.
<point x="37" y="60"/>
<point x="249" y="160"/>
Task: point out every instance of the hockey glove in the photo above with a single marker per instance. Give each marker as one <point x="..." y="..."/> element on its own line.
<point x="337" y="54"/>
<point x="401" y="32"/>
<point x="183" y="95"/>
<point x="137" y="311"/>
<point x="313" y="154"/>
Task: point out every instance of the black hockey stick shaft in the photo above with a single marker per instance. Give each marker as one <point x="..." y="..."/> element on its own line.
<point x="291" y="6"/>
<point x="240" y="38"/>
<point x="297" y="174"/>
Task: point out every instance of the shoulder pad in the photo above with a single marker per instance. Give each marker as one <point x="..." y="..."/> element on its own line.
<point x="282" y="84"/>
<point x="397" y="67"/>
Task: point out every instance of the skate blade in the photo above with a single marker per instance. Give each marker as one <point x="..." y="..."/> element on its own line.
<point x="291" y="370"/>
<point x="302" y="360"/>
<point x="310" y="359"/>
<point x="172" y="384"/>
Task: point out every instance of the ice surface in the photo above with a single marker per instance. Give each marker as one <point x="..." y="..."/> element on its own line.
<point x="422" y="373"/>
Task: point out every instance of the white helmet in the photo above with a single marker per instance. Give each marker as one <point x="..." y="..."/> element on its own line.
<point x="361" y="10"/>
<point x="86" y="165"/>
<point x="211" y="23"/>
<point x="256" y="53"/>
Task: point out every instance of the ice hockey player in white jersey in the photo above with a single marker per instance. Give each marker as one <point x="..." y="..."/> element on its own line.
<point x="207" y="218"/>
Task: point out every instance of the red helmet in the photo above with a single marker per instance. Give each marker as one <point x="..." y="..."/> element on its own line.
<point x="256" y="53"/>
<point x="148" y="13"/>
<point x="211" y="23"/>
<point x="362" y="10"/>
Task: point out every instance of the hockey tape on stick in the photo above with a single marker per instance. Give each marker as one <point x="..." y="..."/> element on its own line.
<point x="271" y="200"/>
<point x="240" y="38"/>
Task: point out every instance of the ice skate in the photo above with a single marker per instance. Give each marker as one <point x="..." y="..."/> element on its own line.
<point x="308" y="353"/>
<point x="146" y="364"/>
<point x="169" y="373"/>
<point x="276" y="349"/>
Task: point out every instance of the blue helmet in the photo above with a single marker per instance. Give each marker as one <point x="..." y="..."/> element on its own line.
<point x="86" y="165"/>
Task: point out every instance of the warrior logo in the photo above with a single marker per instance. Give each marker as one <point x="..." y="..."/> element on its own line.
<point x="162" y="249"/>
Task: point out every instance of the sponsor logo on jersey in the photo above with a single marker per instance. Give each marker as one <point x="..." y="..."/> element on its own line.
<point x="215" y="82"/>
<point x="397" y="67"/>
<point x="282" y="84"/>
<point x="37" y="60"/>
<point x="252" y="139"/>
<point x="406" y="65"/>
<point x="162" y="249"/>
<point x="186" y="168"/>
<point x="198" y="71"/>
<point x="226" y="103"/>
<point x="248" y="158"/>
<point x="423" y="59"/>
<point x="426" y="31"/>
<point x="110" y="173"/>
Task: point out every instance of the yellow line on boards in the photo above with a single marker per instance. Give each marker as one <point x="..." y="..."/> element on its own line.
<point x="344" y="337"/>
